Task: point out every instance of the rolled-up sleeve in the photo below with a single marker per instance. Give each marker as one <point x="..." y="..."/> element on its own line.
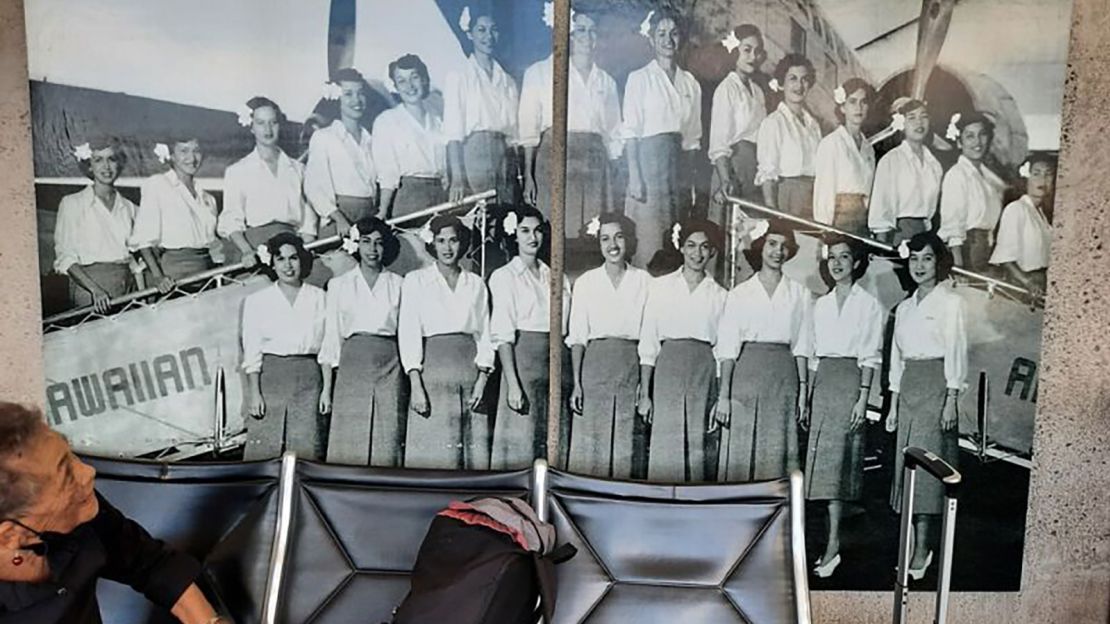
<point x="454" y="108"/>
<point x="410" y="329"/>
<point x="634" y="107"/>
<point x="532" y="94"/>
<point x="233" y="218"/>
<point x="722" y="123"/>
<point x="147" y="230"/>
<point x="502" y="324"/>
<point x="954" y="197"/>
<point x="767" y="151"/>
<point x="65" y="233"/>
<point x="319" y="188"/>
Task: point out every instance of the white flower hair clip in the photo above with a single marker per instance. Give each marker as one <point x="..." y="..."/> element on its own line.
<point x="82" y="152"/>
<point x="645" y="26"/>
<point x="824" y="250"/>
<point x="1023" y="171"/>
<point x="162" y="152"/>
<point x="263" y="253"/>
<point x="952" y="132"/>
<point x="593" y="227"/>
<point x="464" y="19"/>
<point x="774" y="85"/>
<point x="676" y="235"/>
<point x="904" y="250"/>
<point x="246" y="115"/>
<point x="730" y="41"/>
<point x="897" y="122"/>
<point x="510" y="223"/>
<point x="549" y="14"/>
<point x="759" y="228"/>
<point x="471" y="217"/>
<point x="331" y="91"/>
<point x="425" y="233"/>
<point x="839" y="96"/>
<point x="350" y="242"/>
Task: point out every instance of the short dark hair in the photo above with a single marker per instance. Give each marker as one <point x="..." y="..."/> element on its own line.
<point x="852" y="85"/>
<point x="975" y="117"/>
<point x="628" y="228"/>
<point x="1044" y="158"/>
<point x="117" y="150"/>
<point x="860" y="258"/>
<point x="348" y="74"/>
<point x="279" y="240"/>
<point x="19" y="425"/>
<point x="412" y="61"/>
<point x="523" y="212"/>
<point x="712" y="231"/>
<point x="391" y="246"/>
<point x="943" y="255"/>
<point x="743" y="31"/>
<point x="906" y="105"/>
<point x="261" y="101"/>
<point x="794" y="59"/>
<point x="443" y="221"/>
<point x="670" y="13"/>
<point x="754" y="254"/>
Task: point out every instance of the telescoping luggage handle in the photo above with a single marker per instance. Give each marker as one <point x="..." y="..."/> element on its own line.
<point x="950" y="478"/>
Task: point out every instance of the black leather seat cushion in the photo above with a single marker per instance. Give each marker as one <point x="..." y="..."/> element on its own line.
<point x="194" y="507"/>
<point x="659" y="553"/>
<point x="356" y="532"/>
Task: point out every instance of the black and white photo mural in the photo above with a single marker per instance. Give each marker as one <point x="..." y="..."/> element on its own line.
<point x="799" y="235"/>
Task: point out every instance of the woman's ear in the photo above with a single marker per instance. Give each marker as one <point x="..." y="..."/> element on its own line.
<point x="12" y="536"/>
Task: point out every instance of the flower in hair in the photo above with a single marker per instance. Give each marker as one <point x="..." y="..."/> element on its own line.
<point x="82" y="152"/>
<point x="774" y="85"/>
<point x="263" y="253"/>
<point x="593" y="227"/>
<point x="162" y="152"/>
<point x="510" y="223"/>
<point x="904" y="250"/>
<point x="824" y="251"/>
<point x="1023" y="171"/>
<point x="759" y="228"/>
<point x="645" y="26"/>
<point x="332" y="91"/>
<point x="839" y="96"/>
<point x="425" y="233"/>
<point x="730" y="41"/>
<point x="549" y="14"/>
<point x="350" y="242"/>
<point x="897" y="122"/>
<point x="246" y="115"/>
<point x="952" y="132"/>
<point x="676" y="235"/>
<point x="464" y="19"/>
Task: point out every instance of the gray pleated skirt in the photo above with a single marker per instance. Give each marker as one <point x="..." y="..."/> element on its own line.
<point x="601" y="437"/>
<point x="181" y="263"/>
<point x="114" y="277"/>
<point x="761" y="441"/>
<point x="520" y="438"/>
<point x="795" y="196"/>
<point x="834" y="456"/>
<point x="684" y="390"/>
<point x="367" y="416"/>
<point x="920" y="405"/>
<point x="660" y="159"/>
<point x="291" y="387"/>
<point x="487" y="163"/>
<point x="414" y="195"/>
<point x="587" y="193"/>
<point x="452" y="436"/>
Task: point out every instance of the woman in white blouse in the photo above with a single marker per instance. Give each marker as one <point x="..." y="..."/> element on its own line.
<point x="971" y="194"/>
<point x="787" y="143"/>
<point x="662" y="132"/>
<point x="763" y="345"/>
<point x="907" y="179"/>
<point x="283" y="328"/>
<point x="520" y="331"/>
<point x="90" y="236"/>
<point x="262" y="190"/>
<point x="443" y="334"/>
<point x="593" y="137"/>
<point x="677" y="367"/>
<point x="607" y="307"/>
<point x="928" y="370"/>
<point x="360" y="338"/>
<point x="480" y="114"/>
<point x="845" y="162"/>
<point x="847" y="350"/>
<point x="175" y="224"/>
<point x="739" y="107"/>
<point x="1025" y="229"/>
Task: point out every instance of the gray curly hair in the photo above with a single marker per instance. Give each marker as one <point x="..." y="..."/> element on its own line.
<point x="19" y="424"/>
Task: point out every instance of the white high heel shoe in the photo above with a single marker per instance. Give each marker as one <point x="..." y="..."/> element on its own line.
<point x="919" y="573"/>
<point x="826" y="569"/>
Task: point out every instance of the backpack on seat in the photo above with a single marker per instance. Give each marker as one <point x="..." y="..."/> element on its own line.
<point x="486" y="561"/>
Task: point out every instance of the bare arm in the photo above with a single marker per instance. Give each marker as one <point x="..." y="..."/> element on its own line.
<point x="193" y="608"/>
<point x="457" y="189"/>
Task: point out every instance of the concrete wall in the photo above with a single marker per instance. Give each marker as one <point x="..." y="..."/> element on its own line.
<point x="1067" y="554"/>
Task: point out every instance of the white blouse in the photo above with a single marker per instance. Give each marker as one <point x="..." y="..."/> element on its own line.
<point x="841" y="167"/>
<point x="338" y="165"/>
<point x="738" y="110"/>
<point x="87" y="231"/>
<point x="787" y="145"/>
<point x="1024" y="236"/>
<point x="674" y="312"/>
<point x="654" y="105"/>
<point x="854" y="330"/>
<point x="430" y="308"/>
<point x="170" y="217"/>
<point x="522" y="300"/>
<point x="933" y="328"/>
<point x="271" y="325"/>
<point x="970" y="199"/>
<point x="355" y="308"/>
<point x="406" y="146"/>
<point x="592" y="105"/>
<point x="750" y="315"/>
<point x="905" y="187"/>
<point x="255" y="196"/>
<point x="474" y="101"/>
<point x="598" y="310"/>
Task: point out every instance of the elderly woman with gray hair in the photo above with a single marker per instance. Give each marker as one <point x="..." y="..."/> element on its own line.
<point x="58" y="536"/>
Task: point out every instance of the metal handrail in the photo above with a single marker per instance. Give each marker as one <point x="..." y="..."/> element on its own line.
<point x="876" y="244"/>
<point x="238" y="266"/>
